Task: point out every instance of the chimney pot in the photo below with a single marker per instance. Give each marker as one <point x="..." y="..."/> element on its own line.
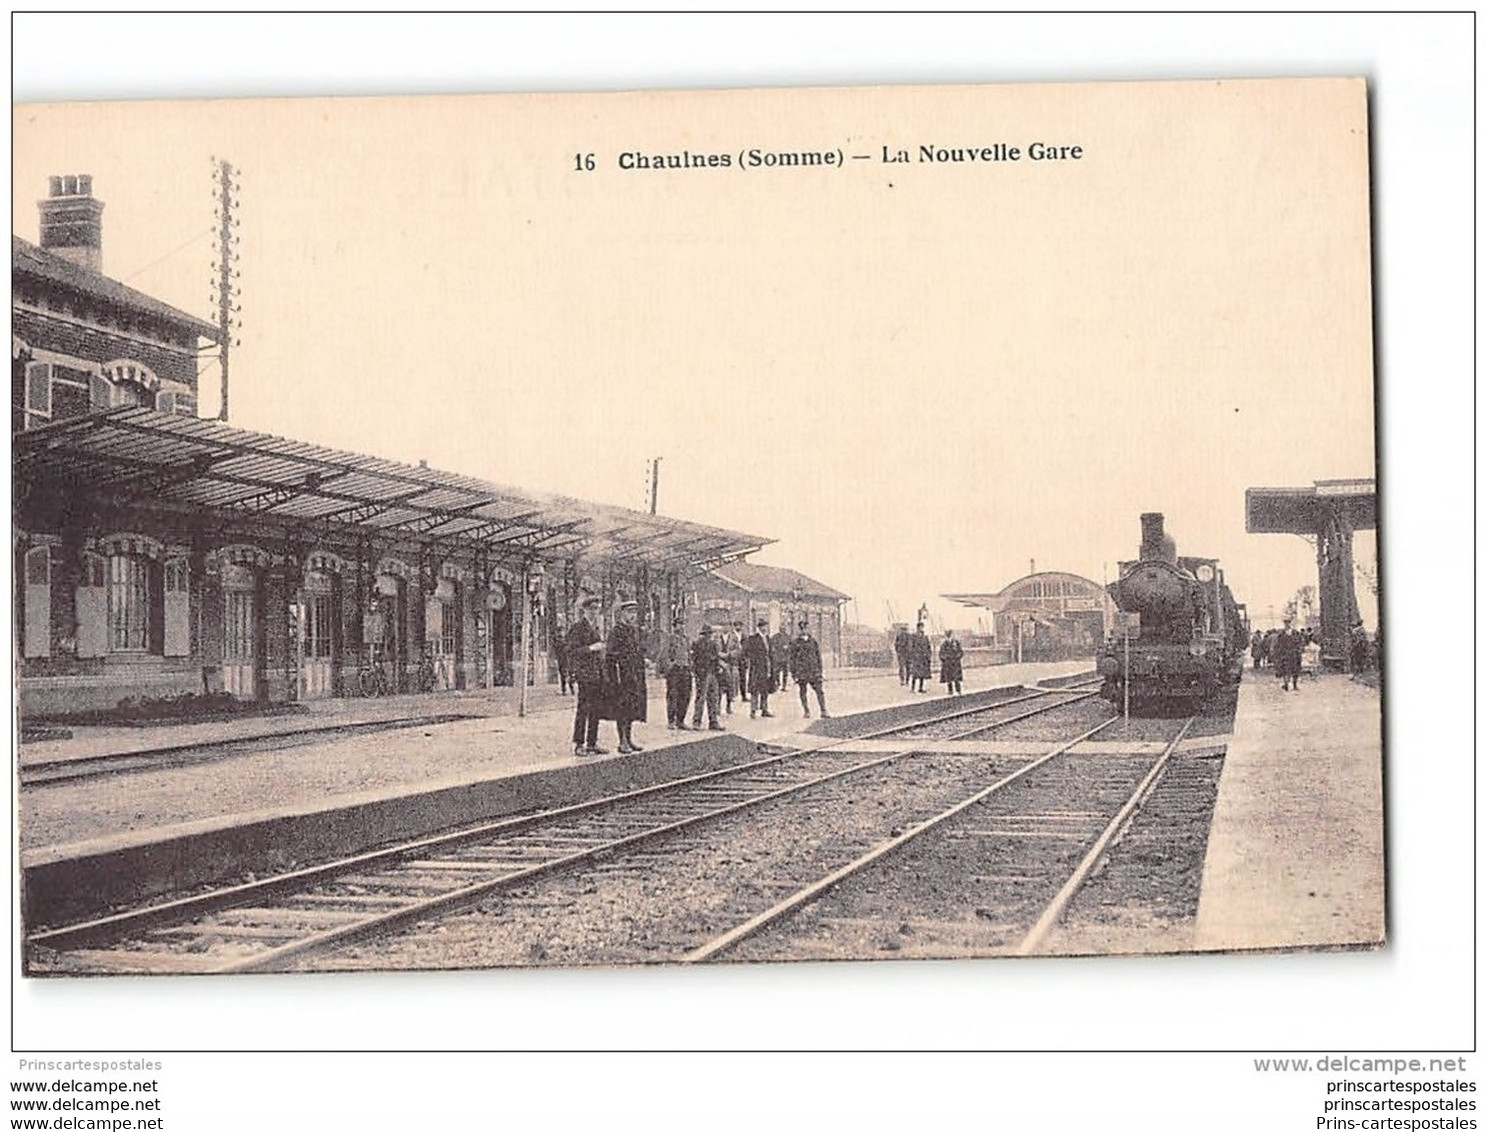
<point x="55" y="184"/>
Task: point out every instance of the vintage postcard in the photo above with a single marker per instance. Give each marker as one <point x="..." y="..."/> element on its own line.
<point x="695" y="527"/>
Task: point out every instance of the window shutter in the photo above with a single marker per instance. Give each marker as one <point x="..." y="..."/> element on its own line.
<point x="38" y="394"/>
<point x="39" y="601"/>
<point x="100" y="393"/>
<point x="165" y="401"/>
<point x="92" y="609"/>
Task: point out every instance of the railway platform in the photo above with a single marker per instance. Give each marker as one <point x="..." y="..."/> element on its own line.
<point x="1296" y="850"/>
<point x="280" y="790"/>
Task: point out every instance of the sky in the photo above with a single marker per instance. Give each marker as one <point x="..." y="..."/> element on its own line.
<point x="917" y="378"/>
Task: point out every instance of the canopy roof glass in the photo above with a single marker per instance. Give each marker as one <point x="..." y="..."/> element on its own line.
<point x="175" y="459"/>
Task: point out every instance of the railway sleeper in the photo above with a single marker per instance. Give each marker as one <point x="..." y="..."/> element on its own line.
<point x="258" y="913"/>
<point x="367" y="903"/>
<point x="223" y="933"/>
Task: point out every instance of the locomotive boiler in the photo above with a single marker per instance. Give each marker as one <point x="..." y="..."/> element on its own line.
<point x="1187" y="635"/>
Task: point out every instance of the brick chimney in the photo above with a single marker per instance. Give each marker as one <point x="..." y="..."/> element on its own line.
<point x="72" y="221"/>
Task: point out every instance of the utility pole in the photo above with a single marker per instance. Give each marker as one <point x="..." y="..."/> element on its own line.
<point x="655" y="481"/>
<point x="225" y="193"/>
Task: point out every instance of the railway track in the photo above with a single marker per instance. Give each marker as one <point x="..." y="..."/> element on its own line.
<point x="56" y="772"/>
<point x="1006" y="862"/>
<point x="277" y="922"/>
<point x="992" y="842"/>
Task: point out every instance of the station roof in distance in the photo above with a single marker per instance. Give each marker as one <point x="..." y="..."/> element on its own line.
<point x="757" y="579"/>
<point x="1303" y="510"/>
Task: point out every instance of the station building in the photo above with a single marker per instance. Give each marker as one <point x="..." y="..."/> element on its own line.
<point x="158" y="554"/>
<point x="1049" y="615"/>
<point x="746" y="591"/>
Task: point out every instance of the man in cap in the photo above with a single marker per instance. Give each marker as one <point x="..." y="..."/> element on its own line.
<point x="585" y="650"/>
<point x="805" y="666"/>
<point x="674" y="663"/>
<point x="705" y="666"/>
<point x="757" y="665"/>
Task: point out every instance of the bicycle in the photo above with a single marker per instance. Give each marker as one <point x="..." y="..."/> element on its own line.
<point x="372" y="678"/>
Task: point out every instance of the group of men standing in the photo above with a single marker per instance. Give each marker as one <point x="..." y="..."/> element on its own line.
<point x="706" y="670"/>
<point x="915" y="655"/>
<point x="608" y="673"/>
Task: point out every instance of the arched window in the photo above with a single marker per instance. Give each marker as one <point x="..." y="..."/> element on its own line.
<point x="131" y="383"/>
<point x="133" y="581"/>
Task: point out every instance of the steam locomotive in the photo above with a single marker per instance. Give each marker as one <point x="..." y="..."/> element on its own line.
<point x="1191" y="637"/>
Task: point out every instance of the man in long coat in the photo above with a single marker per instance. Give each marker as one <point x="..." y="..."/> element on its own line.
<point x="585" y="649"/>
<point x="921" y="658"/>
<point x="1287" y="657"/>
<point x="951" y="657"/>
<point x="758" y="665"/>
<point x="626" y="660"/>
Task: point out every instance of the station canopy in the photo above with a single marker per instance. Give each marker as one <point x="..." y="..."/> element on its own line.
<point x="1304" y="510"/>
<point x="171" y="459"/>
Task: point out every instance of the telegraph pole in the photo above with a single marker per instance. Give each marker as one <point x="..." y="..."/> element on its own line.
<point x="225" y="194"/>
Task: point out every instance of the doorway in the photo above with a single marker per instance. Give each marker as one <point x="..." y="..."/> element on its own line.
<point x="240" y="632"/>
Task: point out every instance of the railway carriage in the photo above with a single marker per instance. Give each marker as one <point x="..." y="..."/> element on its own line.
<point x="1191" y="637"/>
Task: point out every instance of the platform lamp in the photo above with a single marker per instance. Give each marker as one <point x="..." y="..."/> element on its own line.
<point x="529" y="595"/>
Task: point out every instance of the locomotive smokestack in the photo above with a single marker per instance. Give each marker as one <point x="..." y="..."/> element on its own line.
<point x="1151" y="535"/>
<point x="1155" y="542"/>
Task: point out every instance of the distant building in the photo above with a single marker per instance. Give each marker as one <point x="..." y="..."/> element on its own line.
<point x="744" y="591"/>
<point x="1046" y="616"/>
